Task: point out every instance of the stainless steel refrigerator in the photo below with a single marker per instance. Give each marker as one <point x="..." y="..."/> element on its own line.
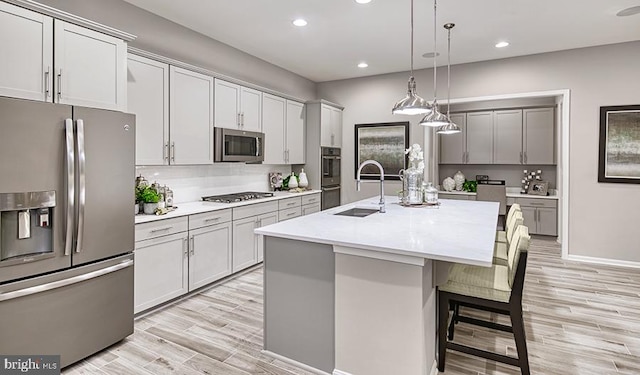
<point x="67" y="179"/>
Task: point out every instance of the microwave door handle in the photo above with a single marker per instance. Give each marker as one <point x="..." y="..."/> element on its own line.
<point x="331" y="188"/>
<point x="71" y="178"/>
<point x="81" y="185"/>
<point x="258" y="145"/>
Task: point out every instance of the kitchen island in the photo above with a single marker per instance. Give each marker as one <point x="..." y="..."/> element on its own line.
<point x="356" y="295"/>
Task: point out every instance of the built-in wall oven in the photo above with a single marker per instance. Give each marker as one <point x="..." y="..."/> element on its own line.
<point x="238" y="145"/>
<point x="330" y="177"/>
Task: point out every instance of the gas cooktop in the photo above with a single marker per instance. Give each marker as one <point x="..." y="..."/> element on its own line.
<point x="237" y="197"/>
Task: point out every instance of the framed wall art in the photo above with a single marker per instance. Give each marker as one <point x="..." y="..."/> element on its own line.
<point x="384" y="143"/>
<point x="619" y="156"/>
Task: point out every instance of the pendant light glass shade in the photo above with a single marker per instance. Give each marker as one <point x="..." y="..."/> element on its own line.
<point x="435" y="118"/>
<point x="449" y="128"/>
<point x="412" y="104"/>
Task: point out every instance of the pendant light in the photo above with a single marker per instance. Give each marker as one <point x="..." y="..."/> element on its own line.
<point x="412" y="104"/>
<point x="449" y="128"/>
<point x="435" y="118"/>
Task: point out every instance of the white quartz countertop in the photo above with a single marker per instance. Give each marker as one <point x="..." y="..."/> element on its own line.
<point x="190" y="208"/>
<point x="512" y="192"/>
<point x="457" y="231"/>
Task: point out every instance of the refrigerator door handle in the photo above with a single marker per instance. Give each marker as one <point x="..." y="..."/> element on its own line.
<point x="81" y="184"/>
<point x="65" y="282"/>
<point x="71" y="181"/>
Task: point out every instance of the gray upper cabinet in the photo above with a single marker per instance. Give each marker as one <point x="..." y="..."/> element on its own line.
<point x="479" y="138"/>
<point x="452" y="147"/>
<point x="512" y="136"/>
<point x="538" y="139"/>
<point x="507" y="137"/>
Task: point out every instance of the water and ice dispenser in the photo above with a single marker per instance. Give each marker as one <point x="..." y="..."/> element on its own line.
<point x="26" y="227"/>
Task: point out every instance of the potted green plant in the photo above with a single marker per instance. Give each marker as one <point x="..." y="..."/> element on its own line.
<point x="150" y="198"/>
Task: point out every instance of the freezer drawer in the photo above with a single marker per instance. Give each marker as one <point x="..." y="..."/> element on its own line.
<point x="73" y="313"/>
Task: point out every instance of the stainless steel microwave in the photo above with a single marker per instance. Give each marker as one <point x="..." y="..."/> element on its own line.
<point x="238" y="145"/>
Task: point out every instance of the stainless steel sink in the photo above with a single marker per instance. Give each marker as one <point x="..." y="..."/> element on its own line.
<point x="358" y="212"/>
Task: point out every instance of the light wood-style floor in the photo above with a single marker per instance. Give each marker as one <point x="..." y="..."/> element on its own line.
<point x="580" y="319"/>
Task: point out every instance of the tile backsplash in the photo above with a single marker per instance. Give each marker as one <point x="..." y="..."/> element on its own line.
<point x="190" y="183"/>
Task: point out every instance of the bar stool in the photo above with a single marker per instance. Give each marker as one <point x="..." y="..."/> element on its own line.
<point x="501" y="249"/>
<point x="496" y="289"/>
<point x="494" y="193"/>
<point x="501" y="235"/>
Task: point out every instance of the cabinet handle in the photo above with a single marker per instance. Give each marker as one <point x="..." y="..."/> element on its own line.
<point x="47" y="88"/>
<point x="193" y="245"/>
<point x="211" y="219"/>
<point x="525" y="157"/>
<point x="521" y="158"/>
<point x="173" y="151"/>
<point x="242" y="119"/>
<point x="160" y="229"/>
<point x="291" y="214"/>
<point x="165" y="151"/>
<point x="60" y="84"/>
<point x="537" y="204"/>
<point x="291" y="204"/>
<point x="185" y="246"/>
<point x="332" y="138"/>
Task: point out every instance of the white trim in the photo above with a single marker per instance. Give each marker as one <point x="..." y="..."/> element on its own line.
<point x="434" y="368"/>
<point x="565" y="95"/>
<point x="295" y="363"/>
<point x="62" y="15"/>
<point x="184" y="65"/>
<point x="603" y="261"/>
<point x="338" y="372"/>
<point x="405" y="259"/>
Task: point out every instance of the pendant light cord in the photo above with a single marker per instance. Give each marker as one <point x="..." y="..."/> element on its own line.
<point x="448" y="26"/>
<point x="411" y="38"/>
<point x="435" y="84"/>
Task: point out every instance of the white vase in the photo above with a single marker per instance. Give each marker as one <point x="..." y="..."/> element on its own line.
<point x="459" y="180"/>
<point x="304" y="182"/>
<point x="293" y="181"/>
<point x="137" y="210"/>
<point x="448" y="184"/>
<point x="150" y="208"/>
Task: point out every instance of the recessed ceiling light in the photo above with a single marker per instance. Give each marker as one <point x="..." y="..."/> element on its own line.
<point x="362" y="64"/>
<point x="300" y="22"/>
<point x="363" y="1"/>
<point x="502" y="44"/>
<point x="429" y="55"/>
<point x="629" y="11"/>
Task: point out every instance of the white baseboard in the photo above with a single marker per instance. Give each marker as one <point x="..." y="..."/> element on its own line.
<point x="295" y="363"/>
<point x="338" y="372"/>
<point x="434" y="368"/>
<point x="603" y="261"/>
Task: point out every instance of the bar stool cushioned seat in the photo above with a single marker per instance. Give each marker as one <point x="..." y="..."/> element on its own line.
<point x="501" y="235"/>
<point x="496" y="289"/>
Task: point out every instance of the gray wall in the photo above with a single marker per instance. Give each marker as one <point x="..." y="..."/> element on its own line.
<point x="601" y="216"/>
<point x="161" y="36"/>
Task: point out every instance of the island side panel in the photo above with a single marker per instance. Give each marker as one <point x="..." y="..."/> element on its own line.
<point x="299" y="294"/>
<point x="385" y="316"/>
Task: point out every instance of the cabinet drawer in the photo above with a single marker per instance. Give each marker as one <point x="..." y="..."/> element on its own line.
<point x="209" y="218"/>
<point x="283" y="204"/>
<point x="289" y="213"/>
<point x="159" y="228"/>
<point x="254" y="209"/>
<point x="309" y="209"/>
<point x="311" y="198"/>
<point x="537" y="202"/>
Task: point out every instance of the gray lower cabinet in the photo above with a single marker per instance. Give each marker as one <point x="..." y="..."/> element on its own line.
<point x="540" y="215"/>
<point x="161" y="270"/>
<point x="209" y="254"/>
<point x="244" y="243"/>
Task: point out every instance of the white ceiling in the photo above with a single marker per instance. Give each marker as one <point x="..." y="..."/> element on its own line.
<point x="342" y="33"/>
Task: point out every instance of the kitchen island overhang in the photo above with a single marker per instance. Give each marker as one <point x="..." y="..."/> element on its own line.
<point x="353" y="295"/>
